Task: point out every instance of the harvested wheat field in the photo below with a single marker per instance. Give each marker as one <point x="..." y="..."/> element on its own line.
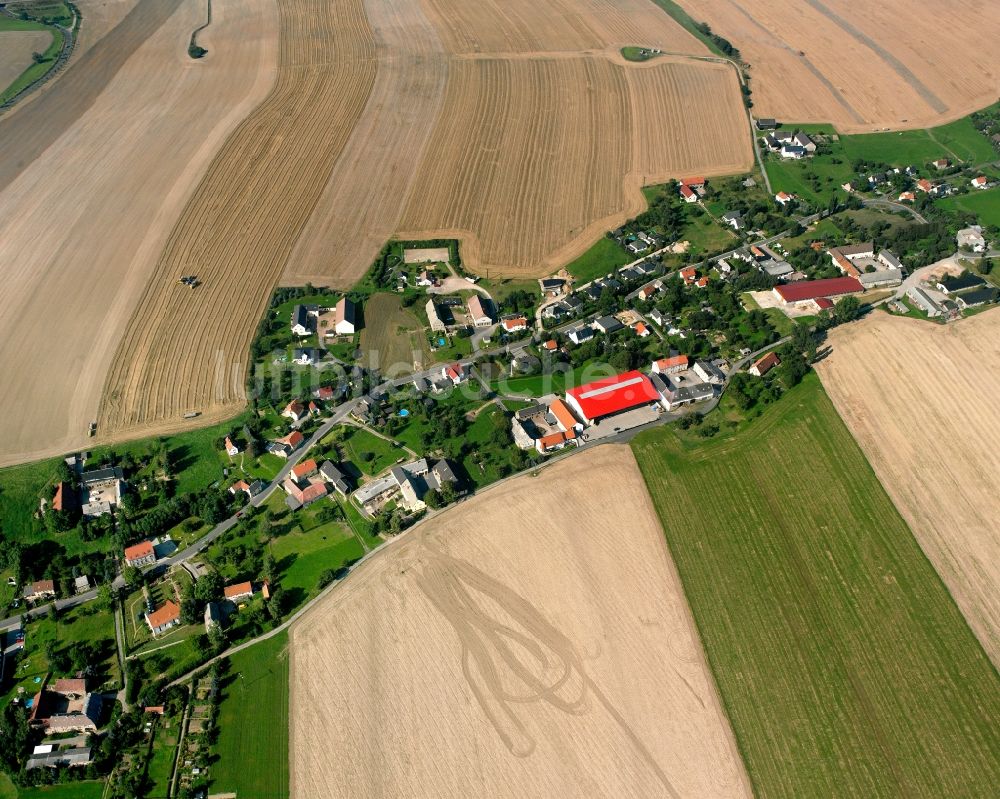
<point x="921" y="399"/>
<point x="186" y="350"/>
<point x="16" y="48"/>
<point x="863" y="65"/>
<point x="526" y="26"/>
<point x="551" y="134"/>
<point x="527" y="189"/>
<point x="392" y="130"/>
<point x="93" y="177"/>
<point x="556" y="658"/>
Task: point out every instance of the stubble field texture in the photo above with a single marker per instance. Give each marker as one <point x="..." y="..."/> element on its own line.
<point x="185" y="350"/>
<point x="309" y="134"/>
<point x="844" y="665"/>
<point x="921" y="400"/>
<point x="93" y="177"/>
<point x="527" y="659"/>
<point x="863" y="65"/>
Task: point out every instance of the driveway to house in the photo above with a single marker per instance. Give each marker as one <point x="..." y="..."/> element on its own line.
<point x="452" y="285"/>
<point x="915" y="278"/>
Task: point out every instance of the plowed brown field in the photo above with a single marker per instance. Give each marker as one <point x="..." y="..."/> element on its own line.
<point x="921" y="400"/>
<point x="485" y="655"/>
<point x="863" y="65"/>
<point x="92" y="178"/>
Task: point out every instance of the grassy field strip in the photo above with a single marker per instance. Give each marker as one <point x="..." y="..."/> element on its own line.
<point x="843" y="663"/>
<point x="253" y="723"/>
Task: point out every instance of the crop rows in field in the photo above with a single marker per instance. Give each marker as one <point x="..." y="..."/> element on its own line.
<point x="939" y="458"/>
<point x="547" y="659"/>
<point x="844" y="665"/>
<point x="862" y="65"/>
<point x="185" y="350"/>
<point x="527" y="170"/>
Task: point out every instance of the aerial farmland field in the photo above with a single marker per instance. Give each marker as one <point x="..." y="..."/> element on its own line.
<point x="844" y="665"/>
<point x="543" y="657"/>
<point x="863" y="66"/>
<point x="92" y="180"/>
<point x="938" y="458"/>
<point x="392" y="338"/>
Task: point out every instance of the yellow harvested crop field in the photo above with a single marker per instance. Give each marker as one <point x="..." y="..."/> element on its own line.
<point x="481" y="650"/>
<point x="517" y="127"/>
<point x="185" y="350"/>
<point x="863" y="65"/>
<point x="92" y="180"/>
<point x="312" y="131"/>
<point x="528" y="171"/>
<point x="921" y="400"/>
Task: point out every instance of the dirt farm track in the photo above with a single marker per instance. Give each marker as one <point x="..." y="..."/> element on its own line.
<point x="311" y="132"/>
<point x="483" y="651"/>
<point x="921" y="399"/>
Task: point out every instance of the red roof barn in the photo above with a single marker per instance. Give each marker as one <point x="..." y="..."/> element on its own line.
<point x="813" y="289"/>
<point x="612" y="395"/>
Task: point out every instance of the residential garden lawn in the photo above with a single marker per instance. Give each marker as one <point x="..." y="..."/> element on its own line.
<point x="705" y="234"/>
<point x="501" y="288"/>
<point x="456" y="347"/>
<point x="603" y="257"/>
<point x="984" y="204"/>
<point x="253" y="723"/>
<point x="844" y="665"/>
<point x="137" y="632"/>
<point x="175" y="635"/>
<point x="485" y="462"/>
<point x="358" y="441"/>
<point x="793" y="177"/>
<point x="532" y="385"/>
<point x="303" y="556"/>
<point x="161" y="764"/>
<point x="34" y="71"/>
<point x="84" y="789"/>
<point x="85" y="623"/>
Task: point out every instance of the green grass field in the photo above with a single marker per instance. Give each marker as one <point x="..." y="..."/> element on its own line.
<point x="87" y="623"/>
<point x="844" y="665"/>
<point x="303" y="556"/>
<point x="161" y="763"/>
<point x="358" y="441"/>
<point x="253" y="724"/>
<point x="984" y="204"/>
<point x="87" y="789"/>
<point x="959" y="141"/>
<point x="33" y="71"/>
<point x="687" y="22"/>
<point x="603" y="257"/>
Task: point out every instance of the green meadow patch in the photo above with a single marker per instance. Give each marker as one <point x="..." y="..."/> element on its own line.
<point x="843" y="663"/>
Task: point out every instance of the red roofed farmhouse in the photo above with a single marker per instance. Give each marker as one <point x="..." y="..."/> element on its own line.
<point x="809" y="290"/>
<point x="602" y="398"/>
